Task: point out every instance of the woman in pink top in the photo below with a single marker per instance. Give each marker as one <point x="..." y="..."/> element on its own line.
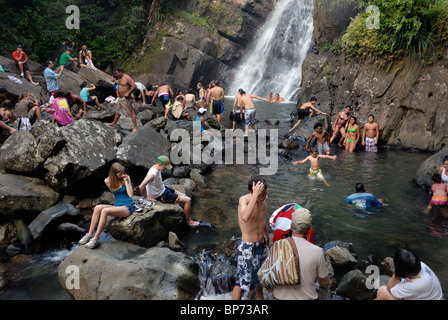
<point x="60" y="109"/>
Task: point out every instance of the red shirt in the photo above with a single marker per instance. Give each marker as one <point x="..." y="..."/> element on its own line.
<point x="16" y="55"/>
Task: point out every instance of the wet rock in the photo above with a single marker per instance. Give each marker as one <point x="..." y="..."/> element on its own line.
<point x="62" y="212"/>
<point x="288" y="144"/>
<point x="423" y="176"/>
<point x="198" y="178"/>
<point x="188" y="183"/>
<point x="174" y="242"/>
<point x="121" y="271"/>
<point x="341" y="259"/>
<point x="388" y="265"/>
<point x="353" y="286"/>
<point x="22" y="195"/>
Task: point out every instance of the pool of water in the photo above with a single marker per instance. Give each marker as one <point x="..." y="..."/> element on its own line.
<point x="387" y="174"/>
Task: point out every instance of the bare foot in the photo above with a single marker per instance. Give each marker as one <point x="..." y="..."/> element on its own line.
<point x="193" y="223"/>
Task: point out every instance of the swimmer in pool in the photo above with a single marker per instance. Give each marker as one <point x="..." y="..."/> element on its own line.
<point x="439" y="194"/>
<point x="315" y="170"/>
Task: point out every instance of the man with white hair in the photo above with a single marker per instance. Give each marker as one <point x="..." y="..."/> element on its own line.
<point x="312" y="262"/>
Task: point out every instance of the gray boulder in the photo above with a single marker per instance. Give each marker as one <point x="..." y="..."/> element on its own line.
<point x="52" y="217"/>
<point x="341" y="259"/>
<point x="429" y="167"/>
<point x="83" y="162"/>
<point x="150" y="226"/>
<point x="140" y="149"/>
<point x="22" y="195"/>
<point x="353" y="286"/>
<point x="121" y="271"/>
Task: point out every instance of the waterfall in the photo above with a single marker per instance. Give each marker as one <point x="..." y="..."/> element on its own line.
<point x="274" y="59"/>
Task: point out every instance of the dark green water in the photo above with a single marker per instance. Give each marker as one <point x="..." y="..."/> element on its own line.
<point x="387" y="174"/>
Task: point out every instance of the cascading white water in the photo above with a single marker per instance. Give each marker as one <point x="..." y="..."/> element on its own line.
<point x="274" y="59"/>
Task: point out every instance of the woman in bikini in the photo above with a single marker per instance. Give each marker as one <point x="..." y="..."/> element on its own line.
<point x="120" y="185"/>
<point x="439" y="194"/>
<point x="443" y="170"/>
<point x="352" y="136"/>
<point x="340" y="124"/>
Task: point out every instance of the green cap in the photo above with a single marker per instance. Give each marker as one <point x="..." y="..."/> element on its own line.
<point x="165" y="161"/>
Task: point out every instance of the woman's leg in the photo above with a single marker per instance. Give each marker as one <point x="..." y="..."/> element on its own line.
<point x="112" y="211"/>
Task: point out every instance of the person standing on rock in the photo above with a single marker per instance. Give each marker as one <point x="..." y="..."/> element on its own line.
<point x="165" y="95"/>
<point x="254" y="244"/>
<point x="216" y="100"/>
<point x="51" y="77"/>
<point x="120" y="185"/>
<point x="306" y="109"/>
<point x="312" y="263"/>
<point x="125" y="103"/>
<point x="153" y="189"/>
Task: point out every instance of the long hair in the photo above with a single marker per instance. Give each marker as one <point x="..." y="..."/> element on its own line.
<point x="114" y="182"/>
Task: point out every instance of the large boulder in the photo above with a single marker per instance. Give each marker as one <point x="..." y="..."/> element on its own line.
<point x="81" y="165"/>
<point x="139" y="150"/>
<point x="22" y="195"/>
<point x="150" y="226"/>
<point x="52" y="217"/>
<point x="120" y="271"/>
<point x="423" y="177"/>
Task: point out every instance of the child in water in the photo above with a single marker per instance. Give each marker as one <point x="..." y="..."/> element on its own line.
<point x="439" y="194"/>
<point x="315" y="170"/>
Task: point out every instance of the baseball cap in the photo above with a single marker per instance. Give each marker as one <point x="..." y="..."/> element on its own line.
<point x="301" y="215"/>
<point x="202" y="110"/>
<point x="164" y="161"/>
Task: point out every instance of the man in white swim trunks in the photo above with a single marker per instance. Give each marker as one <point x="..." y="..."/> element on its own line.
<point x="249" y="109"/>
<point x="370" y="135"/>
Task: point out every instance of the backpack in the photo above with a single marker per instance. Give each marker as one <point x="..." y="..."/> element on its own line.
<point x="282" y="266"/>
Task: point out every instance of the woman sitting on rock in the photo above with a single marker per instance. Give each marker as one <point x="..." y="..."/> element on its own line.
<point x="120" y="185"/>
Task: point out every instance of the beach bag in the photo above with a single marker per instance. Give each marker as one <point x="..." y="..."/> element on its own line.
<point x="282" y="266"/>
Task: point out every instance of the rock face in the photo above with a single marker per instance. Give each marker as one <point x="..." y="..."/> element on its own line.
<point x="408" y="100"/>
<point x="190" y="54"/>
<point x="423" y="177"/>
<point x="120" y="271"/>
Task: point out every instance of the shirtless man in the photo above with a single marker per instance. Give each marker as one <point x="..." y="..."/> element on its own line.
<point x="253" y="248"/>
<point x="323" y="140"/>
<point x="81" y="105"/>
<point x="125" y="103"/>
<point x="315" y="170"/>
<point x="249" y="109"/>
<point x="238" y="114"/>
<point x="370" y="134"/>
<point x="279" y="99"/>
<point x="270" y="97"/>
<point x="216" y="99"/>
<point x="165" y="95"/>
<point x="306" y="109"/>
